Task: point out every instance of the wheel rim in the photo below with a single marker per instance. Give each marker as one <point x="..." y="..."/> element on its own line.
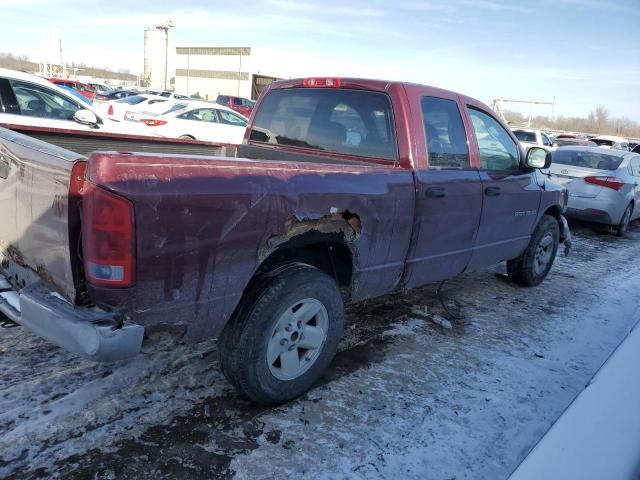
<point x="544" y="250"/>
<point x="297" y="339"/>
<point x="625" y="219"/>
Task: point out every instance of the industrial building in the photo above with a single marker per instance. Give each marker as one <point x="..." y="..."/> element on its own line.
<point x="213" y="71"/>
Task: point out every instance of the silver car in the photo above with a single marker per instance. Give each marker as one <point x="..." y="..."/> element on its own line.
<point x="603" y="185"/>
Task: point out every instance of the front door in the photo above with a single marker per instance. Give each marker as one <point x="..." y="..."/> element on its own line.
<point x="511" y="195"/>
<point x="449" y="196"/>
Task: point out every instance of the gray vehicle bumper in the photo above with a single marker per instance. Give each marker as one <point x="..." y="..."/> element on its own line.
<point x="89" y="332"/>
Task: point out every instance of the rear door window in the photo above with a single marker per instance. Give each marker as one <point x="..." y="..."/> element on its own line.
<point x="352" y="122"/>
<point x="445" y="134"/>
<point x="498" y="151"/>
<point x="230" y="118"/>
<point x="201" y="115"/>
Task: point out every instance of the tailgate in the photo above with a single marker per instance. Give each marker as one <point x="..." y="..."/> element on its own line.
<point x="34" y="197"/>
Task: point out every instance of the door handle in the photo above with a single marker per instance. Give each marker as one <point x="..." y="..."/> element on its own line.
<point x="435" y="192"/>
<point x="492" y="191"/>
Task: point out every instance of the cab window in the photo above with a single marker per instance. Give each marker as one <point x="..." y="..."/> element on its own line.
<point x="445" y="134"/>
<point x="497" y="149"/>
<point x="545" y="140"/>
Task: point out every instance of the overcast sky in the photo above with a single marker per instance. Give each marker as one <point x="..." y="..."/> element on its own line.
<point x="582" y="52"/>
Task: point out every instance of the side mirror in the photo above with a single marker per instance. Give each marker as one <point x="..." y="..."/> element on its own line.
<point x="85" y="117"/>
<point x="538" y="158"/>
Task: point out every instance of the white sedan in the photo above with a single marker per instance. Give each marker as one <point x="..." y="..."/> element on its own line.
<point x="29" y="100"/>
<point x="134" y="107"/>
<point x="199" y="121"/>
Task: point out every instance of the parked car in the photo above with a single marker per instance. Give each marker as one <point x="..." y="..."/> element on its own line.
<point x="603" y="184"/>
<point x="76" y="94"/>
<point x="572" y="142"/>
<point x="167" y="94"/>
<point x="579" y="136"/>
<point x="113" y="95"/>
<point x="135" y="107"/>
<point x="610" y="141"/>
<point x="533" y="138"/>
<point x="29" y="100"/>
<point x="243" y="106"/>
<point x="343" y="190"/>
<point x="100" y="87"/>
<point x="200" y="121"/>
<point x="86" y="90"/>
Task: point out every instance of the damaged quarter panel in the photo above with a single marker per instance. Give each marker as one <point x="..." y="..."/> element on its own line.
<point x="204" y="225"/>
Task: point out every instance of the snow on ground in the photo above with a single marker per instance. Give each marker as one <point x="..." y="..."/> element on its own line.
<point x="405" y="396"/>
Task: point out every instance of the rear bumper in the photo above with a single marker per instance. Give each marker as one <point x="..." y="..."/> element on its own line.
<point x="89" y="332"/>
<point x="589" y="215"/>
<point x="607" y="207"/>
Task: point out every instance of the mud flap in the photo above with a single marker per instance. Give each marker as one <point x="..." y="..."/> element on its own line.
<point x="565" y="235"/>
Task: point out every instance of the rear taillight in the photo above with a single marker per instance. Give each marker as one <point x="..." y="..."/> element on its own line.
<point x="609" y="182"/>
<point x="322" y="82"/>
<point x="152" y="122"/>
<point x="110" y="110"/>
<point x="107" y="237"/>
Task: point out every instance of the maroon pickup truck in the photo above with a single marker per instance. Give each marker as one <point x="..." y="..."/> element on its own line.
<point x="343" y="190"/>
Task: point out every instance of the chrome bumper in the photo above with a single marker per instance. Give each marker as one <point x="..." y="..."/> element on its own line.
<point x="89" y="332"/>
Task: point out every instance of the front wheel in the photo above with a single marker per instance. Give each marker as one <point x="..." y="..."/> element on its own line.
<point x="533" y="265"/>
<point x="285" y="338"/>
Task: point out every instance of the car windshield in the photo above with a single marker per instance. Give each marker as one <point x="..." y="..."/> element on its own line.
<point x="586" y="159"/>
<point x="132" y="100"/>
<point x="344" y="121"/>
<point x="525" y="136"/>
<point x="175" y="108"/>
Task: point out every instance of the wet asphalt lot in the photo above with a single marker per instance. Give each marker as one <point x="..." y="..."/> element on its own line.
<point x="405" y="396"/>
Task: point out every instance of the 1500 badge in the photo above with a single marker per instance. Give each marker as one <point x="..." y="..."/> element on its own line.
<point x="525" y="213"/>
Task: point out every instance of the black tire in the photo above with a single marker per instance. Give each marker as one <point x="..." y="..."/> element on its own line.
<point x="623" y="226"/>
<point x="244" y="342"/>
<point x="526" y="269"/>
<point x="187" y="137"/>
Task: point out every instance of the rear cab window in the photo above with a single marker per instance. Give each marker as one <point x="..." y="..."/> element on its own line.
<point x="343" y="121"/>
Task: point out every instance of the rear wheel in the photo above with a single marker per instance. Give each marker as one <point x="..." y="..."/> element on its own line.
<point x="623" y="226"/>
<point x="533" y="265"/>
<point x="283" y="339"/>
<point x="187" y="137"/>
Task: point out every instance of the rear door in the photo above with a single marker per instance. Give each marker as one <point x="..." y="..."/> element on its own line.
<point x="449" y="193"/>
<point x="511" y="195"/>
